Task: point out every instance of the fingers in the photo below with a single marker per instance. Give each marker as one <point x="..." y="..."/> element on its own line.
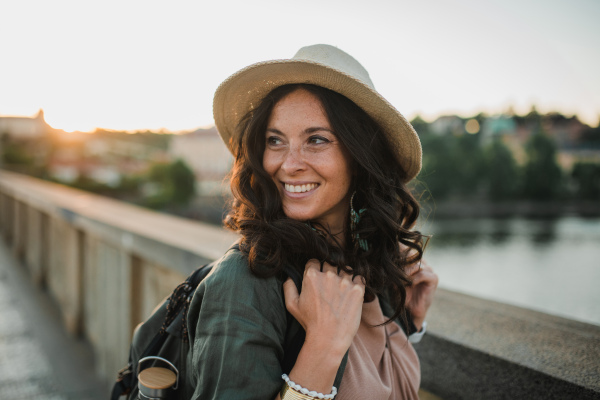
<point x="313" y="263"/>
<point x="316" y="270"/>
<point x="412" y="269"/>
<point x="359" y="279"/>
<point x="425" y="275"/>
<point x="355" y="279"/>
<point x="329" y="268"/>
<point x="417" y="267"/>
<point x="421" y="274"/>
<point x="329" y="307"/>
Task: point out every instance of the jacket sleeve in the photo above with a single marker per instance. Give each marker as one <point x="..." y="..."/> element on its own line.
<point x="238" y="334"/>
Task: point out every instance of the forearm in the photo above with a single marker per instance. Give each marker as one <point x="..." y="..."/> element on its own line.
<point x="317" y="365"/>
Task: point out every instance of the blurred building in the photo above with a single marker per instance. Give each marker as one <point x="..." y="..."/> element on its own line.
<point x="104" y="156"/>
<point x="448" y="124"/>
<point x="206" y="154"/>
<point x="117" y="145"/>
<point x="499" y="125"/>
<point x="24" y="127"/>
<point x="566" y="131"/>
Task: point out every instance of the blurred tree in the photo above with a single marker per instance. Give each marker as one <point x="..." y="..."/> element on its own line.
<point x="586" y="179"/>
<point x="533" y="117"/>
<point x="175" y="185"/>
<point x="84" y="182"/>
<point x="470" y="165"/>
<point x="439" y="171"/>
<point x="452" y="165"/>
<point x="502" y="171"/>
<point x="590" y="138"/>
<point x="14" y="153"/>
<point x="183" y="181"/>
<point x="542" y="176"/>
<point x="420" y="125"/>
<point x="158" y="179"/>
<point x="480" y="118"/>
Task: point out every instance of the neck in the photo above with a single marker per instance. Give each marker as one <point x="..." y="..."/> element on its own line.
<point x="334" y="236"/>
<point x="338" y="239"/>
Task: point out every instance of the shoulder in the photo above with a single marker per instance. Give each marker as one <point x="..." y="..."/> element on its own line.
<point x="232" y="289"/>
<point x="236" y="315"/>
<point x="233" y="273"/>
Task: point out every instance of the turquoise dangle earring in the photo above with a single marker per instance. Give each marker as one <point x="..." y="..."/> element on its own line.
<point x="354" y="219"/>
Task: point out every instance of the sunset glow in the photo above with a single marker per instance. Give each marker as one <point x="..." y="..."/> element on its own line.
<point x="149" y="65"/>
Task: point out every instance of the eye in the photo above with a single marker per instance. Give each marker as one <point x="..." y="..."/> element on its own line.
<point x="318" y="140"/>
<point x="273" y="140"/>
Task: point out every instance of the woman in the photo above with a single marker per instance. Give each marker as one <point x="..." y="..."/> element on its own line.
<point x="319" y="185"/>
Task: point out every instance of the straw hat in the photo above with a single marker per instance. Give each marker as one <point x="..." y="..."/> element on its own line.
<point x="320" y="65"/>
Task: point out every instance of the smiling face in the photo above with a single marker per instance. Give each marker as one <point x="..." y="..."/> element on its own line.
<point x="307" y="162"/>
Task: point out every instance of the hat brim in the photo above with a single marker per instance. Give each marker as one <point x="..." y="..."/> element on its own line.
<point x="244" y="90"/>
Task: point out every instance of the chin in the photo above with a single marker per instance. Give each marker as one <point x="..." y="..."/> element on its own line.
<point x="299" y="215"/>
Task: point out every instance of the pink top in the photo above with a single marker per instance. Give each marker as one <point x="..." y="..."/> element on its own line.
<point x="382" y="363"/>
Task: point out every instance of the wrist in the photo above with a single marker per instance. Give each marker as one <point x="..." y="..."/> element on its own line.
<point x="316" y="366"/>
<point x="418" y="322"/>
<point x="325" y="347"/>
<point x="293" y="391"/>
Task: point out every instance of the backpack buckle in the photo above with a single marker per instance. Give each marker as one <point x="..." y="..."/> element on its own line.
<point x="123" y="372"/>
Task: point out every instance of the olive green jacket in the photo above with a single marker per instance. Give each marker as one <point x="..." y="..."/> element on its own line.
<point x="238" y="328"/>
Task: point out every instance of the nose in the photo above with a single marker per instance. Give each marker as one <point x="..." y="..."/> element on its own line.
<point x="293" y="161"/>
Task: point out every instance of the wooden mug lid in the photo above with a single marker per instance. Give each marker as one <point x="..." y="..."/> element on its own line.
<point x="157" y="378"/>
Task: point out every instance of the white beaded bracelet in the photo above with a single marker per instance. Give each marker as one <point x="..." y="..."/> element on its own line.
<point x="311" y="393"/>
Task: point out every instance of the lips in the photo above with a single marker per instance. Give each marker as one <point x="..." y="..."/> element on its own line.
<point x="303" y="188"/>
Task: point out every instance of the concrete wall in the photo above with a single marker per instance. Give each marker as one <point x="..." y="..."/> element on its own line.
<point x="480" y="349"/>
<point x="108" y="264"/>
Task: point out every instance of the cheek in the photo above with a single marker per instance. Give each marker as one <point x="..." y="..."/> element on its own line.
<point x="343" y="172"/>
<point x="269" y="163"/>
<point x="338" y="174"/>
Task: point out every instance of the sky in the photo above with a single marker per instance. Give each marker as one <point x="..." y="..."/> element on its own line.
<point x="133" y="65"/>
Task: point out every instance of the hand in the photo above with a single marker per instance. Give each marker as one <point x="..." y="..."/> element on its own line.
<point x="419" y="295"/>
<point x="329" y="306"/>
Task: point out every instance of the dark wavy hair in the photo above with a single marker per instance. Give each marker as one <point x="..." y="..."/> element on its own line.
<point x="271" y="240"/>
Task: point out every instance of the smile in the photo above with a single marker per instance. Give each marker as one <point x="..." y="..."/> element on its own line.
<point x="300" y="188"/>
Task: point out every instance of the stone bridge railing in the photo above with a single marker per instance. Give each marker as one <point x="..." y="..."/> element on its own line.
<point x="108" y="264"/>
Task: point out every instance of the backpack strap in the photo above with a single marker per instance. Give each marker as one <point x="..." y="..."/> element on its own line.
<point x="122" y="386"/>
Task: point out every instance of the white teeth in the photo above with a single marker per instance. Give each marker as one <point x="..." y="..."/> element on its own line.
<point x="300" y="188"/>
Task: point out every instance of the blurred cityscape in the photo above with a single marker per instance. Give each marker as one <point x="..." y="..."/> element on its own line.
<point x="479" y="165"/>
<point x="79" y="272"/>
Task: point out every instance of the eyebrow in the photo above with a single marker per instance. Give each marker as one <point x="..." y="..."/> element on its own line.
<point x="307" y="131"/>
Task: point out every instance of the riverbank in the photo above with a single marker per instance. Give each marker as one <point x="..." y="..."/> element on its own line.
<point x="526" y="209"/>
<point x="211" y="209"/>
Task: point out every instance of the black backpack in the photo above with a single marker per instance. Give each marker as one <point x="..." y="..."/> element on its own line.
<point x="165" y="335"/>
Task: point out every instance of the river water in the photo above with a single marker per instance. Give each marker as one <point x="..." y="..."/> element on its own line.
<point x="551" y="266"/>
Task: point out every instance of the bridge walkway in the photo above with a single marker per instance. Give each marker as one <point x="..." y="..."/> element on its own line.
<point x="38" y="359"/>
